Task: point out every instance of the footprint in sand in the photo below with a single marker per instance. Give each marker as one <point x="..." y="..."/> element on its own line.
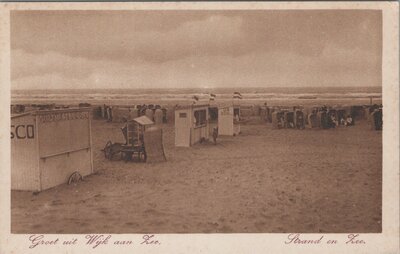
<point x="279" y="230"/>
<point x="98" y="196"/>
<point x="82" y="224"/>
<point x="268" y="217"/>
<point x="37" y="226"/>
<point x="132" y="224"/>
<point x="260" y="225"/>
<point x="311" y="226"/>
<point x="103" y="211"/>
<point x="213" y="224"/>
<point x="225" y="229"/>
<point x="152" y="212"/>
<point x="161" y="222"/>
<point x="56" y="202"/>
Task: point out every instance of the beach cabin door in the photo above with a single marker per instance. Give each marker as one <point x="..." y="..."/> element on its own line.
<point x="225" y="121"/>
<point x="183" y="122"/>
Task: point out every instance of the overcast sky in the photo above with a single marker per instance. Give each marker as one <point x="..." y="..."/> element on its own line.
<point x="173" y="49"/>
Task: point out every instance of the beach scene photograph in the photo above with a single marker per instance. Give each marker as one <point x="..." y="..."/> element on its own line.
<point x="196" y="121"/>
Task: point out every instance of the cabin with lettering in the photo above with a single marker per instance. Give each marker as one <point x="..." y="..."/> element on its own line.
<point x="191" y="124"/>
<point x="49" y="146"/>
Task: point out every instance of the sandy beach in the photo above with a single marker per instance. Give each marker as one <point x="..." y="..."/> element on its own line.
<point x="264" y="180"/>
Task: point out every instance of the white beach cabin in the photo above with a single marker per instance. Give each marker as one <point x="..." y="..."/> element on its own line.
<point x="191" y="124"/>
<point x="228" y="120"/>
<point x="48" y="146"/>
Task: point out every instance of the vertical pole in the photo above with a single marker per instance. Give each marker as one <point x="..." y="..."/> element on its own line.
<point x="90" y="143"/>
<point x="190" y="136"/>
<point x="38" y="151"/>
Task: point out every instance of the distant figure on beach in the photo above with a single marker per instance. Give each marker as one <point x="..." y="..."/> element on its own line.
<point x="349" y="121"/>
<point x="215" y="135"/>
<point x="300" y="121"/>
<point x="237" y="118"/>
<point x="109" y="114"/>
<point x="332" y="123"/>
<point x="377" y="119"/>
<point x="282" y="122"/>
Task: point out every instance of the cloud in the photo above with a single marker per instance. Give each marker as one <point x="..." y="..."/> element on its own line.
<point x="164" y="36"/>
<point x="195" y="48"/>
<point x="279" y="68"/>
<point x="210" y="35"/>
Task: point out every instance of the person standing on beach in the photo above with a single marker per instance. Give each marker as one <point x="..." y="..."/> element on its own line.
<point x="215" y="135"/>
<point x="349" y="121"/>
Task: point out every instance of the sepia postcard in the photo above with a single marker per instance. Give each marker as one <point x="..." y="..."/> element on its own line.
<point x="199" y="127"/>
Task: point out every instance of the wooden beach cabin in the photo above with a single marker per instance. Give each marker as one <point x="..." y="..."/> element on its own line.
<point x="263" y="113"/>
<point x="229" y="120"/>
<point x="149" y="112"/>
<point x="158" y="116"/>
<point x="134" y="129"/>
<point x="115" y="114"/>
<point x="271" y="110"/>
<point x="48" y="146"/>
<point x="341" y="114"/>
<point x="191" y="124"/>
<point x="357" y="112"/>
<point x="97" y="112"/>
<point x="313" y="120"/>
<point x="322" y="117"/>
<point x="299" y="119"/>
<point x="289" y="119"/>
<point x="376" y="119"/>
<point x="278" y="119"/>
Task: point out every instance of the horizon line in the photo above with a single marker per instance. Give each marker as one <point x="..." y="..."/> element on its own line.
<point x="236" y="87"/>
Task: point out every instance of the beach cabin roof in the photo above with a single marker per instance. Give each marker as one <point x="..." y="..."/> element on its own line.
<point x="225" y="105"/>
<point x="192" y="106"/>
<point x="49" y="111"/>
<point x="143" y="120"/>
<point x="19" y="115"/>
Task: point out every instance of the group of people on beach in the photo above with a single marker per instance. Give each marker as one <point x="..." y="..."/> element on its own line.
<point x="139" y="109"/>
<point x="334" y="118"/>
<point x="345" y="121"/>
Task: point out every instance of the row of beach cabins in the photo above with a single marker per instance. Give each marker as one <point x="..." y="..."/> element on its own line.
<point x="297" y="117"/>
<point x="51" y="143"/>
<point x="322" y="117"/>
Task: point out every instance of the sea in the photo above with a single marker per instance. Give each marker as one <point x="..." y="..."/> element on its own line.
<point x="166" y="96"/>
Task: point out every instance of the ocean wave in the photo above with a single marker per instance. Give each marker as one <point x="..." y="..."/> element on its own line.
<point x="189" y="96"/>
<point x="170" y="95"/>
